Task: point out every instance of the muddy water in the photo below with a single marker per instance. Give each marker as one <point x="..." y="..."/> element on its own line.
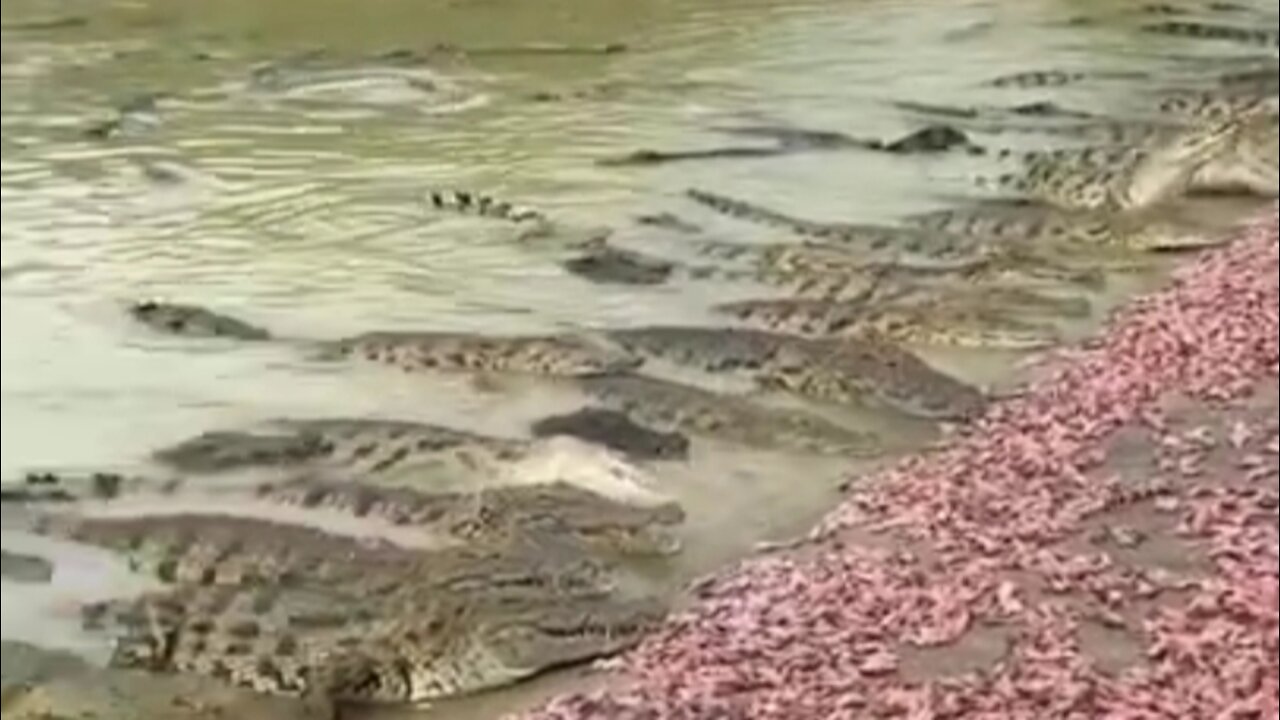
<point x="301" y="208"/>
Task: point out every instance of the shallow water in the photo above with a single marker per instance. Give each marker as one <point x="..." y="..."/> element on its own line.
<point x="302" y="210"/>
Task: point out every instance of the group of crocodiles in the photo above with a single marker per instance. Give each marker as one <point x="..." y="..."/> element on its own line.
<point x="377" y="560"/>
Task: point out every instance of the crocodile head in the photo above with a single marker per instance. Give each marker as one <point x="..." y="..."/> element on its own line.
<point x="1168" y="169"/>
<point x="193" y="321"/>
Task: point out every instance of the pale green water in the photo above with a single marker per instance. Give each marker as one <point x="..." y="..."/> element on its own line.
<point x="305" y="214"/>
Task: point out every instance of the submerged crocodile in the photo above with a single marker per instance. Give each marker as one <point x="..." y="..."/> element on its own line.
<point x="1214" y="31"/>
<point x="615" y="431"/>
<point x="1124" y="178"/>
<point x="850" y="372"/>
<point x="558" y="355"/>
<point x="934" y="138"/>
<point x="1062" y="229"/>
<point x="665" y="404"/>
<point x="929" y="322"/>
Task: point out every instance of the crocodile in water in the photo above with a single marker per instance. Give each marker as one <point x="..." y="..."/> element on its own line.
<point x="930" y="322"/>
<point x="665" y="404"/>
<point x="830" y="371"/>
<point x="1120" y="179"/>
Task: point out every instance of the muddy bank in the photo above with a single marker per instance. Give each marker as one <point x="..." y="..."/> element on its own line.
<point x="1105" y="546"/>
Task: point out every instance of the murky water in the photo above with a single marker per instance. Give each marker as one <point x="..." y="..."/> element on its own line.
<point x="302" y="208"/>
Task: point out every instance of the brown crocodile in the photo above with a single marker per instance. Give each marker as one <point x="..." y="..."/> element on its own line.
<point x="830" y="371"/>
<point x="632" y="520"/>
<point x="931" y="321"/>
<point x="42" y="684"/>
<point x="1124" y="178"/>
<point x="342" y="644"/>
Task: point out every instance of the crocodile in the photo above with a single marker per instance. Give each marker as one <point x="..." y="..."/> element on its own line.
<point x="1244" y="164"/>
<point x="615" y="431"/>
<point x="340" y="644"/>
<point x="217" y="549"/>
<point x="558" y="354"/>
<point x="902" y="250"/>
<point x="831" y="371"/>
<point x="932" y="138"/>
<point x="564" y="355"/>
<point x="41" y="684"/>
<point x="898" y="244"/>
<point x="1062" y="229"/>
<point x="134" y="116"/>
<point x="414" y="517"/>
<point x="420" y="455"/>
<point x="1213" y="31"/>
<point x="467" y="202"/>
<point x="606" y="264"/>
<point x="677" y="406"/>
<point x="1038" y="79"/>
<point x="193" y="321"/>
<point x="930" y="322"/>
<point x="26" y="569"/>
<point x="1250" y="164"/>
<point x="1120" y="179"/>
<point x="1212" y="105"/>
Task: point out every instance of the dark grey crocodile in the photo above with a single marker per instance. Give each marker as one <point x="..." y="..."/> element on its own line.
<point x="788" y="140"/>
<point x="616" y="431"/>
<point x="604" y="263"/>
<point x="193" y="321"/>
<point x="27" y="569"/>
<point x="665" y="404"/>
<point x="829" y="371"/>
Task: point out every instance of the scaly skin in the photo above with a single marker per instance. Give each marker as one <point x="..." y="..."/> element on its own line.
<point x="1050" y="227"/>
<point x="555" y="355"/>
<point x="849" y="372"/>
<point x="927" y="323"/>
<point x="552" y="355"/>
<point x="666" y="404"/>
<point x="873" y="242"/>
<point x="1120" y="179"/>
<point x="406" y="647"/>
<point x="486" y="516"/>
<point x="186" y="549"/>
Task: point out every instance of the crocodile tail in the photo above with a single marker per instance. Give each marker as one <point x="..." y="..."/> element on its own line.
<point x="47" y="488"/>
<point x="473" y="203"/>
<point x="747" y="211"/>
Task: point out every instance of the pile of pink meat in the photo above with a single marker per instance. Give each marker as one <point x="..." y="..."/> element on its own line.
<point x="1102" y="546"/>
